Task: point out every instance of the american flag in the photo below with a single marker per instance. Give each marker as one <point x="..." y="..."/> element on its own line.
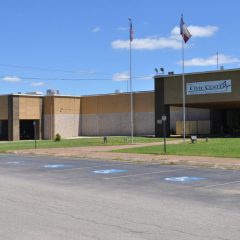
<point x="130" y="30"/>
<point x="184" y="31"/>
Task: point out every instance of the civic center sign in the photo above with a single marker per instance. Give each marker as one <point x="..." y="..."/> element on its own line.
<point x="210" y="87"/>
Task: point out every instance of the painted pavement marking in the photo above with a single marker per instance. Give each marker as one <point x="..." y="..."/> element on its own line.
<point x="184" y="179"/>
<point x="109" y="171"/>
<point x="75" y="168"/>
<point x="94" y="166"/>
<point x="56" y="165"/>
<point x="142" y="174"/>
<point x="14" y="162"/>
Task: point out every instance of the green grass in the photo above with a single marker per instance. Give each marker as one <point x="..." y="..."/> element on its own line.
<point x="224" y="147"/>
<point x="67" y="143"/>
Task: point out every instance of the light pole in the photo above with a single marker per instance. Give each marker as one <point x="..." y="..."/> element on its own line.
<point x="163" y="122"/>
<point x="164" y="118"/>
<point x="35" y="134"/>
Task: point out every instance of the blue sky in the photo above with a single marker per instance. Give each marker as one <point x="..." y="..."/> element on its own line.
<point x="80" y="47"/>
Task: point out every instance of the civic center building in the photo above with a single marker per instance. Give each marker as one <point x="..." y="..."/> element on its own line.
<point x="212" y="109"/>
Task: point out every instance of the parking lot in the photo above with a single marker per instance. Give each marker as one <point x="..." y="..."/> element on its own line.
<point x="61" y="198"/>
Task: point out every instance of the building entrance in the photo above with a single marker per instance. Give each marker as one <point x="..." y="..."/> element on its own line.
<point x="225" y="122"/>
<point x="3" y="129"/>
<point x="27" y="129"/>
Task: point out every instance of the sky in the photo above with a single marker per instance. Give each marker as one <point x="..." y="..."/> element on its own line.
<point x="81" y="47"/>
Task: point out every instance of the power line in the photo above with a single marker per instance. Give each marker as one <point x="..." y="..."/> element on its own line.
<point x="61" y="79"/>
<point x="36" y="68"/>
<point x="65" y="71"/>
<point x="54" y="70"/>
<point x="72" y="79"/>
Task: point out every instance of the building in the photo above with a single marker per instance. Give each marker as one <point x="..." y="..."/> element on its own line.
<point x="213" y="95"/>
<point x="212" y="108"/>
<point x="23" y="115"/>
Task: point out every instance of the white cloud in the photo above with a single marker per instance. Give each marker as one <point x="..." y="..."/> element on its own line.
<point x="147" y="43"/>
<point x="37" y="84"/>
<point x="211" y="60"/>
<point x="124" y="76"/>
<point x="173" y="41"/>
<point x="96" y="29"/>
<point x="120" y="77"/>
<point x="11" y="79"/>
<point x="197" y="31"/>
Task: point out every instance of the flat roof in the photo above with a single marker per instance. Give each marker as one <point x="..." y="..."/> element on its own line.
<point x="22" y="94"/>
<point x="196" y="73"/>
<point x="66" y="96"/>
<point x="105" y="94"/>
<point x="73" y="96"/>
<point x="26" y="95"/>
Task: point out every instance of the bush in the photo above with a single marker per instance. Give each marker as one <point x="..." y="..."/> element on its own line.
<point x="57" y="138"/>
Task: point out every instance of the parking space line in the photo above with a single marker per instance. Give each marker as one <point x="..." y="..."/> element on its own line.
<point x="75" y="168"/>
<point x="94" y="166"/>
<point x="220" y="184"/>
<point x="142" y="174"/>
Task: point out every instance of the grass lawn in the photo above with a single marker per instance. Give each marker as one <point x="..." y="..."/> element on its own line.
<point x="80" y="142"/>
<point x="224" y="147"/>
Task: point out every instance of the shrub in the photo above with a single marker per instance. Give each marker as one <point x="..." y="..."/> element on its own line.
<point x="57" y="138"/>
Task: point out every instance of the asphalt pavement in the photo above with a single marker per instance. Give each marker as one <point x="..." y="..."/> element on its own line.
<point x="69" y="198"/>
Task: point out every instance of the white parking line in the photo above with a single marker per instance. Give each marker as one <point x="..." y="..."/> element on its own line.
<point x="141" y="174"/>
<point x="94" y="166"/>
<point x="76" y="168"/>
<point x="220" y="184"/>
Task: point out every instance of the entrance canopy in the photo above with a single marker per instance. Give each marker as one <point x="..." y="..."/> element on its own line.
<point x="218" y="91"/>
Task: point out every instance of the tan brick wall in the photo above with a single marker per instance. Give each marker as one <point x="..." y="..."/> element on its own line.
<point x="144" y="102"/>
<point x="117" y="124"/>
<point x="29" y="107"/>
<point x="48" y="103"/>
<point x="4" y="107"/>
<point x="67" y="105"/>
<point x="67" y="125"/>
<point x="98" y="115"/>
<point x="110" y="114"/>
<point x="48" y="127"/>
<point x="118" y="103"/>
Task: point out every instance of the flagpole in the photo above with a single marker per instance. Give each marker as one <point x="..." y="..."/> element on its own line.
<point x="130" y="78"/>
<point x="186" y="35"/>
<point x="183" y="93"/>
<point x="132" y="126"/>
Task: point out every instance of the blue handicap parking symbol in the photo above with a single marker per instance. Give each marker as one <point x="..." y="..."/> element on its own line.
<point x="184" y="179"/>
<point x="56" y="166"/>
<point x="109" y="171"/>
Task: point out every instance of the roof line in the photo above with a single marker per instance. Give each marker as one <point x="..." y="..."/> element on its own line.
<point x="196" y="73"/>
<point x="73" y="96"/>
